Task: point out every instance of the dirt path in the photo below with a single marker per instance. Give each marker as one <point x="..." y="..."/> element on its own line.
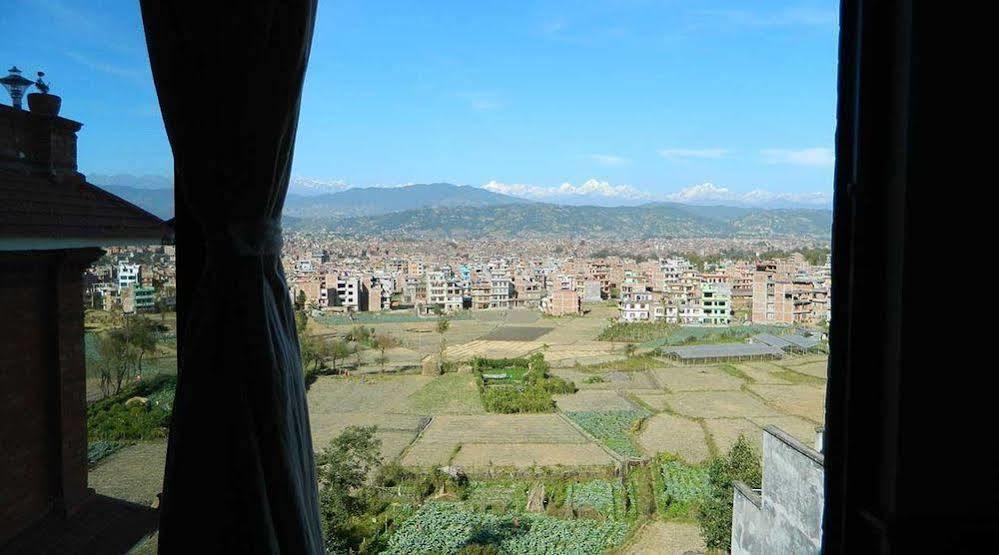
<point x="666" y="538"/>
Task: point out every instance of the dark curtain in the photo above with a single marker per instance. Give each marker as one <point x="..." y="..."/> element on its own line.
<point x="240" y="476"/>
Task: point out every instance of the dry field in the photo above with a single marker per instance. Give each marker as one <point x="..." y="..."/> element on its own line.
<point x="814" y="368"/>
<point x="696" y="378"/>
<point x="591" y="400"/>
<point x="516" y="333"/>
<point x="762" y="372"/>
<point x="672" y="434"/>
<point x="524" y="455"/>
<point x="725" y="431"/>
<point x="612" y="379"/>
<point x="491" y="349"/>
<point x="445" y="434"/>
<point x="807" y="401"/>
<point x="718" y="404"/>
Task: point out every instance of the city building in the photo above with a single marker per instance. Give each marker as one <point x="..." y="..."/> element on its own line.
<point x="562" y="302"/>
<point x="716" y="303"/>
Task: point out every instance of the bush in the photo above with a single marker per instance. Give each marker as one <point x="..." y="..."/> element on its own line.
<point x="513" y="399"/>
<point x="715" y="514"/>
<point x="682" y="488"/>
<point x="613" y="428"/>
<point x="110" y="420"/>
<point x="98" y="450"/>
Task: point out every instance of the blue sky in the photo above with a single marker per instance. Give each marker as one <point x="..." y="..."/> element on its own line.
<point x="611" y="101"/>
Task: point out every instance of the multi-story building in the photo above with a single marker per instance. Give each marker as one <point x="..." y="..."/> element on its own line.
<point x="351" y="294"/>
<point x="444" y="290"/>
<point x="773" y="301"/>
<point x="716" y="304"/>
<point x="562" y="302"/>
<point x="636" y="307"/>
<point x="492" y="290"/>
<point x="128" y="275"/>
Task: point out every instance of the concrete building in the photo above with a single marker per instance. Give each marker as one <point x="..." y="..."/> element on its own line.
<point x="351" y="295"/>
<point x="492" y="290"/>
<point x="772" y="299"/>
<point x="128" y="275"/>
<point x="562" y="302"/>
<point x="592" y="291"/>
<point x="444" y="290"/>
<point x="786" y="515"/>
<point x="636" y="307"/>
<point x="716" y="304"/>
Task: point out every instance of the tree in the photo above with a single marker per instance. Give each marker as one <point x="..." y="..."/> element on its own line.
<point x="140" y="333"/>
<point x="301" y="321"/>
<point x="300" y="300"/>
<point x="116" y="363"/>
<point x="629" y="350"/>
<point x="338" y="350"/>
<point x="383" y="341"/>
<point x="443" y="324"/>
<point x="342" y="469"/>
<point x="715" y="514"/>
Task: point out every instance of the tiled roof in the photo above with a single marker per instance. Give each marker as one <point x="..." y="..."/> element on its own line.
<point x="62" y="207"/>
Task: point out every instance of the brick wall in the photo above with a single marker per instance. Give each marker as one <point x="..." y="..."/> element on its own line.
<point x="42" y="386"/>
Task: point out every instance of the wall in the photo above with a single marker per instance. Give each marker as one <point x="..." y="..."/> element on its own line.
<point x="43" y="462"/>
<point x="787" y="516"/>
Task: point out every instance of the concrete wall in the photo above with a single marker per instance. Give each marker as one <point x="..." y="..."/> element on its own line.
<point x="787" y="516"/>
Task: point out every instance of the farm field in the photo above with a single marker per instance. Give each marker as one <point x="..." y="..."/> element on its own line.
<point x="696" y="411"/>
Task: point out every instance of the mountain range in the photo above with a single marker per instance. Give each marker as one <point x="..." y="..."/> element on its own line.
<point x="442" y="209"/>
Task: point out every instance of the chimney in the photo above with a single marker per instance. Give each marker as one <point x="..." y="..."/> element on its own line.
<point x="37" y="144"/>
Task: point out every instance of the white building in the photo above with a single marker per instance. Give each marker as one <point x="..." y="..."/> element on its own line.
<point x="636" y="307"/>
<point x="128" y="275"/>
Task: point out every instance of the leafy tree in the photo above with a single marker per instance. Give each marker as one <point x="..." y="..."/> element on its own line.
<point x="715" y="514"/>
<point x="342" y="469"/>
<point x="140" y="333"/>
<point x="629" y="350"/>
<point x="300" y="300"/>
<point x="301" y="321"/>
<point x="443" y="324"/>
<point x="116" y="363"/>
<point x="338" y="350"/>
<point x="383" y="341"/>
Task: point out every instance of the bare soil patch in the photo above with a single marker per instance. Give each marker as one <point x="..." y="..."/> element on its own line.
<point x="807" y="401"/>
<point x="718" y="404"/>
<point x="523" y="455"/>
<point x="516" y="333"/>
<point x="666" y="433"/>
<point x="696" y="378"/>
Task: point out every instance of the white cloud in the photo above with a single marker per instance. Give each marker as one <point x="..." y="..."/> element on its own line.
<point x="791" y="16"/>
<point x="482" y="101"/>
<point x="817" y="156"/>
<point x="591" y="188"/>
<point x="683" y="153"/>
<point x="608" y="159"/>
<point x="707" y="193"/>
<point x="309" y="185"/>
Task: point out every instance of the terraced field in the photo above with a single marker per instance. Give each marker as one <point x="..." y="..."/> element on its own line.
<point x="445" y="434"/>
